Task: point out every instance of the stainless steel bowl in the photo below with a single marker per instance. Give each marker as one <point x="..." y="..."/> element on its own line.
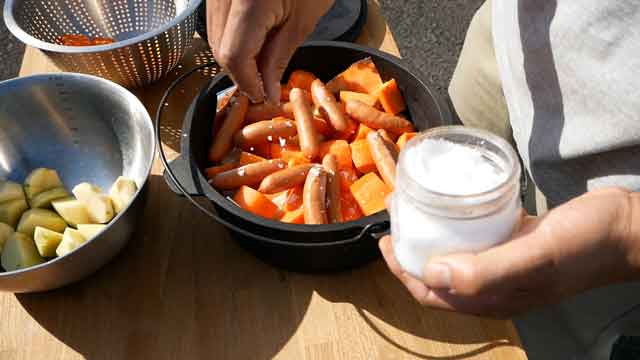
<point x="88" y="129"/>
<point x="151" y="35"/>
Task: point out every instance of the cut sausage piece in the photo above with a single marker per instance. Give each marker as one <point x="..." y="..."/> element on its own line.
<point x="323" y="98"/>
<point x="390" y="144"/>
<point x="314" y="197"/>
<point x="251" y="174"/>
<point x="382" y="156"/>
<point x="377" y="119"/>
<point x="334" y="209"/>
<point x="307" y="134"/>
<point x="223" y="139"/>
<point x="265" y="131"/>
<point x="285" y="179"/>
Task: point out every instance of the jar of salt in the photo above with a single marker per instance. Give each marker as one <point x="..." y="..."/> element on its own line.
<point x="457" y="190"/>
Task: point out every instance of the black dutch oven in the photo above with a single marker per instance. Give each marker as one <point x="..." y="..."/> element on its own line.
<point x="305" y="248"/>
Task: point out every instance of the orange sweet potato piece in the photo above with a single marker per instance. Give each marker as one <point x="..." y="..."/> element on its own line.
<point x="362" y="132"/>
<point x="279" y="198"/>
<point x="339" y="148"/>
<point x="277" y="149"/>
<point x="294" y="217"/>
<point x="347" y="178"/>
<point x="370" y="100"/>
<point x="404" y="139"/>
<point x="294" y="198"/>
<point x="256" y="202"/>
<point x="361" y="156"/>
<point x="301" y="79"/>
<point x="361" y="76"/>
<point x="370" y="192"/>
<point x="350" y="208"/>
<point x="390" y="97"/>
<point x="294" y="158"/>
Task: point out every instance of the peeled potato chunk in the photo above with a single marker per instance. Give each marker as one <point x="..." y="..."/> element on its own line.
<point x="44" y="199"/>
<point x="20" y="252"/>
<point x="71" y="240"/>
<point x="89" y="231"/>
<point x="40" y="217"/>
<point x="10" y="212"/>
<point x="5" y="232"/>
<point x="122" y="192"/>
<point x="47" y="241"/>
<point x="100" y="209"/>
<point x="84" y="191"/>
<point x="10" y="191"/>
<point x="41" y="180"/>
<point x="73" y="211"/>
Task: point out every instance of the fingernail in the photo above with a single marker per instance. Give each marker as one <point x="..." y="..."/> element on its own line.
<point x="438" y="275"/>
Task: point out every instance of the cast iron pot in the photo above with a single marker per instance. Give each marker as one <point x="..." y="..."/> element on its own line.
<point x="305" y="248"/>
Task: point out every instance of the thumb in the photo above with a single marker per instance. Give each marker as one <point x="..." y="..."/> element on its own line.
<point x="520" y="263"/>
<point x="277" y="53"/>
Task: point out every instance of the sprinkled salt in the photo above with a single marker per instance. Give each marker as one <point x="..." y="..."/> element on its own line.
<point x="241" y="171"/>
<point x="283" y="142"/>
<point x="269" y="138"/>
<point x="453" y="169"/>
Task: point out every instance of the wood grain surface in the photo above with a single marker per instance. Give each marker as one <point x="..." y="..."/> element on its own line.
<point x="182" y="289"/>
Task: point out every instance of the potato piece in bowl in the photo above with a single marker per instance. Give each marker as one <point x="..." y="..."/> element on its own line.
<point x="89" y="231"/>
<point x="11" y="211"/>
<point x="5" y="232"/>
<point x="10" y="191"/>
<point x="84" y="191"/>
<point x="47" y="241"/>
<point x="73" y="211"/>
<point x="41" y="180"/>
<point x="99" y="206"/>
<point x="44" y="199"/>
<point x="20" y="252"/>
<point x="100" y="209"/>
<point x="122" y="192"/>
<point x="40" y="217"/>
<point x="71" y="240"/>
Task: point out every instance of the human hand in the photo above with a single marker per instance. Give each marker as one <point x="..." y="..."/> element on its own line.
<point x="250" y="38"/>
<point x="588" y="242"/>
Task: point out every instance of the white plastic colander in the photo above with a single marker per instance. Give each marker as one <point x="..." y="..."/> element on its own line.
<point x="151" y="36"/>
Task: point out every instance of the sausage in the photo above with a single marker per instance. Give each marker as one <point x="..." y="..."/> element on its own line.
<point x="249" y="175"/>
<point x="307" y="134"/>
<point x="285" y="179"/>
<point x="328" y="103"/>
<point x="263" y="111"/>
<point x="314" y="196"/>
<point x="383" y="158"/>
<point x="223" y="138"/>
<point x="377" y="119"/>
<point x="334" y="208"/>
<point x="390" y="144"/>
<point x="265" y="131"/>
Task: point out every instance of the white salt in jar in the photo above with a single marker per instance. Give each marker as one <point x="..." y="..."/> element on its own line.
<point x="457" y="190"/>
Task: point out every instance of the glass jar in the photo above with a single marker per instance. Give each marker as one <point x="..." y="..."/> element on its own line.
<point x="427" y="223"/>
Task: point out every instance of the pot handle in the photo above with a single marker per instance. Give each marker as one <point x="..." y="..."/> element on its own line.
<point x="181" y="167"/>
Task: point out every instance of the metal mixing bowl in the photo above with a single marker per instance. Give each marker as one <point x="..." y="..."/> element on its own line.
<point x="151" y="35"/>
<point x="88" y="129"/>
